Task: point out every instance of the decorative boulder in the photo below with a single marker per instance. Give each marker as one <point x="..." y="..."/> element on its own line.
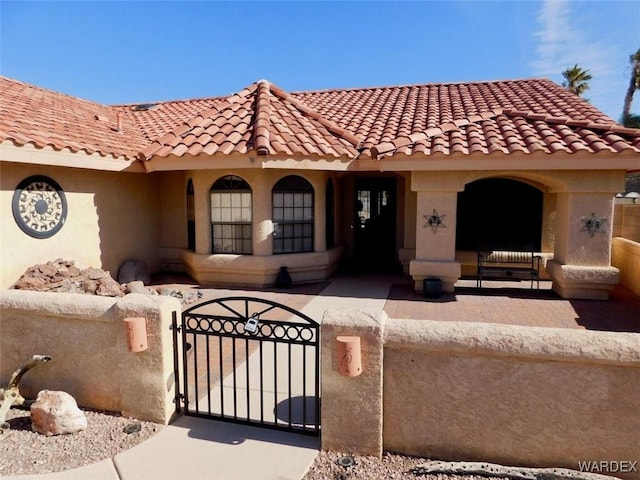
<point x="132" y="270"/>
<point x="56" y="413"/>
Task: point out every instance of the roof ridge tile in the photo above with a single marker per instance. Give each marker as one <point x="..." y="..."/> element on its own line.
<point x="261" y="133"/>
<point x="308" y="111"/>
<point x="156" y="147"/>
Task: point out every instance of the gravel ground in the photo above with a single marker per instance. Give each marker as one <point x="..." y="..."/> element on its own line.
<point x="390" y="467"/>
<point x="24" y="452"/>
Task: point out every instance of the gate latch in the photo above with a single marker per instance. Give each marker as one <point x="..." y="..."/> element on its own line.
<point x="251" y="325"/>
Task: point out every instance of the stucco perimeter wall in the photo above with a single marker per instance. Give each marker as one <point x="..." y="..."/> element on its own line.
<point x="481" y="392"/>
<point x="86" y="337"/>
<point x="625" y="256"/>
<point x="112" y="216"/>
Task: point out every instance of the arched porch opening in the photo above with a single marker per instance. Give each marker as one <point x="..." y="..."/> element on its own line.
<point x="499" y="213"/>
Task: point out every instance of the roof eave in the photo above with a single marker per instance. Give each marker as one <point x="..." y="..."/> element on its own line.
<point x="626" y="160"/>
<point x="30" y="154"/>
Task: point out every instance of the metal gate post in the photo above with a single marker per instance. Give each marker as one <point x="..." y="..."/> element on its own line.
<point x="176" y="365"/>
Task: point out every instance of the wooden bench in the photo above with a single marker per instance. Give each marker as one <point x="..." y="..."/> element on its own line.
<point x="508" y="265"/>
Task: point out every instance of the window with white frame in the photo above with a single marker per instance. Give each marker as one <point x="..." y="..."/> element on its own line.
<point x="292" y="215"/>
<point x="231" y="217"/>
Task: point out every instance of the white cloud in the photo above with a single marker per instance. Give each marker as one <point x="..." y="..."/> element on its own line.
<point x="566" y="38"/>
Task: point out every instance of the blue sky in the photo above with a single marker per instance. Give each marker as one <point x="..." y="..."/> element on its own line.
<point x="124" y="52"/>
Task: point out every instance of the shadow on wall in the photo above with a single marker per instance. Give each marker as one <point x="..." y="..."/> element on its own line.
<point x="128" y="215"/>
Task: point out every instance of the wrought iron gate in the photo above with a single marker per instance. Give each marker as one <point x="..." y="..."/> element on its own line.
<point x="251" y="361"/>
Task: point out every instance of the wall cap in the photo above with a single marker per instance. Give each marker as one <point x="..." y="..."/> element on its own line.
<point x="80" y="306"/>
<point x="493" y="340"/>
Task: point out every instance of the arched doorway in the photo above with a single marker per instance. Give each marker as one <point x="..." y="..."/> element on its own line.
<point x="499" y="213"/>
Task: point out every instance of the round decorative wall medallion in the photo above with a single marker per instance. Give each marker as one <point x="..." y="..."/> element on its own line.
<point x="39" y="206"/>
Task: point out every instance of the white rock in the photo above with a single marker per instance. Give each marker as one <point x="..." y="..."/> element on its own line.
<point x="56" y="413"/>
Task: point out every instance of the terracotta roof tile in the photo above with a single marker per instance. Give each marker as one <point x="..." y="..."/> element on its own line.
<point x="519" y="116"/>
<point x="33" y="115"/>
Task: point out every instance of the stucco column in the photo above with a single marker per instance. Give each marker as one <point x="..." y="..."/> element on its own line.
<point x="202" y="202"/>
<point x="548" y="222"/>
<point x="436" y="239"/>
<point x="262" y="222"/>
<point x="320" y="215"/>
<point x="582" y="258"/>
<point x="352" y="406"/>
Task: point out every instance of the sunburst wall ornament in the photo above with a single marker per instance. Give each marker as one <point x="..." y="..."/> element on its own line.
<point x="593" y="224"/>
<point x="39" y="206"/>
<point x="435" y="221"/>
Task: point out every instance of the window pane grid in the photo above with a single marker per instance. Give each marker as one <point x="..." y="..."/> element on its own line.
<point x="231" y="216"/>
<point x="292" y="207"/>
<point x="231" y="238"/>
<point x="293" y="215"/>
<point x="293" y="237"/>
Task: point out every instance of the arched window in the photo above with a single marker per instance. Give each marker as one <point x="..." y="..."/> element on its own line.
<point x="292" y="215"/>
<point x="191" y="217"/>
<point x="231" y="216"/>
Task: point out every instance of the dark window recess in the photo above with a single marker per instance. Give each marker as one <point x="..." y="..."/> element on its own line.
<point x="191" y="217"/>
<point x="501" y="214"/>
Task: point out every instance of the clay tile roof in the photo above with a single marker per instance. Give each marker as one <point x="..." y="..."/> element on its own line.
<point x="33" y="115"/>
<point x="274" y="121"/>
<point x="502" y="117"/>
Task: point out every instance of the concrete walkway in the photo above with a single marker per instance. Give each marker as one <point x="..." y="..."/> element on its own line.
<point x="198" y="449"/>
<point x="347" y="292"/>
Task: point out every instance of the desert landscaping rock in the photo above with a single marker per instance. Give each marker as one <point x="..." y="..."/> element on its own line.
<point x="108" y="287"/>
<point x="56" y="413"/>
<point x="94" y="273"/>
<point x="62" y="276"/>
<point x="137" y="286"/>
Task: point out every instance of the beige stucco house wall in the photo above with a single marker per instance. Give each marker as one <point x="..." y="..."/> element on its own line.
<point x="112" y="217"/>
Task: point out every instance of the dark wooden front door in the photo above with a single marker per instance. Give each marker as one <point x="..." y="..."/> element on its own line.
<point x="375" y="224"/>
